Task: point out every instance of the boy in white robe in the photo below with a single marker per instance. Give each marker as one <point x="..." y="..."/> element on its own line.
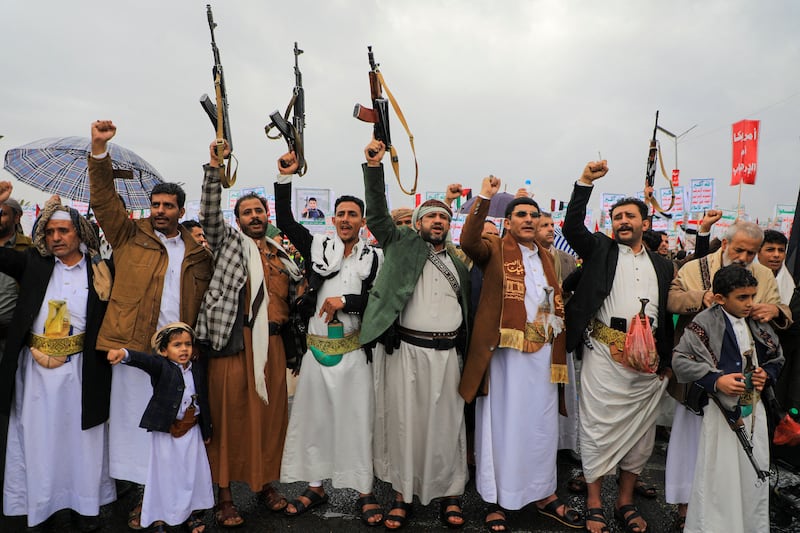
<point x="732" y="357"/>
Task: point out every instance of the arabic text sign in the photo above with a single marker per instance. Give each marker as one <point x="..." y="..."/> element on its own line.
<point x="701" y="194"/>
<point x="745" y="152"/>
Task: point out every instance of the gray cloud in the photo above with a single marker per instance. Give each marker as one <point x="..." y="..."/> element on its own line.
<point x="521" y="89"/>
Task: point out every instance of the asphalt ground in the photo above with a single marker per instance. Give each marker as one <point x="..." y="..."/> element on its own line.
<point x="339" y="514"/>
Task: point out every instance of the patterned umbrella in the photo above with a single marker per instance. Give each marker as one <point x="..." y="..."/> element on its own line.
<point x="497" y="206"/>
<point x="59" y="166"/>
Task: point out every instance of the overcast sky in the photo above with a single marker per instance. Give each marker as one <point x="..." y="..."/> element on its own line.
<point x="525" y="90"/>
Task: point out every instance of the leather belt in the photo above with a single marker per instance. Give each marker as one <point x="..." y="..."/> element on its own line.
<point x="428" y="339"/>
<point x="428" y="334"/>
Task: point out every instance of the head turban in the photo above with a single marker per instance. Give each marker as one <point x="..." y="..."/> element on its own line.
<point x="430" y="206"/>
<point x="401" y="212"/>
<point x="163" y="335"/>
<point x="90" y="243"/>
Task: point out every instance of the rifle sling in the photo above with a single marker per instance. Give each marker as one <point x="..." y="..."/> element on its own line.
<point x="392" y="150"/>
<point x="652" y="200"/>
<point x="298" y="139"/>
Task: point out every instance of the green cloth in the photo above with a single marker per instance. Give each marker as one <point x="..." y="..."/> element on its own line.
<point x="272" y="231"/>
<point x="405" y="253"/>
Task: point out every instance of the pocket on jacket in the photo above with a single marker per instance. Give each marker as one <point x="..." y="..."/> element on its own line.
<point x="121" y="316"/>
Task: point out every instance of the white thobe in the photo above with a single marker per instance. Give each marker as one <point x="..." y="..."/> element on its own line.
<point x="724" y="493"/>
<point x="331" y="422"/>
<point x="786" y="284"/>
<point x="51" y="463"/>
<point x="131" y="388"/>
<point x="420" y="437"/>
<point x="618" y="405"/>
<point x="516" y="424"/>
<point x="178" y="474"/>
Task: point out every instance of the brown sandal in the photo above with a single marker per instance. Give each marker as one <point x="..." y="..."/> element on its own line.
<point x="273" y="499"/>
<point x="227" y="515"/>
<point x="135" y="517"/>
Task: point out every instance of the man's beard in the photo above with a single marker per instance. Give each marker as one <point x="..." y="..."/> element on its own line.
<point x="427" y="236"/>
<point x="255" y="234"/>
<point x="727" y="261"/>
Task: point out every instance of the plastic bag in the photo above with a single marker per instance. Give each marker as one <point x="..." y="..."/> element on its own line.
<point x="640" y="347"/>
<point x="787" y="432"/>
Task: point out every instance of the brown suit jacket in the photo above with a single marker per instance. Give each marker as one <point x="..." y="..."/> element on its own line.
<point x="487" y="254"/>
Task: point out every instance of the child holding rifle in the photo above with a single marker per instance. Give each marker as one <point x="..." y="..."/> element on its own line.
<point x="179" y="476"/>
<point x="731" y="357"/>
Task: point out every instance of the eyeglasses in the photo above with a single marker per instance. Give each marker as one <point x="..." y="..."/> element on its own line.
<point x="526" y="214"/>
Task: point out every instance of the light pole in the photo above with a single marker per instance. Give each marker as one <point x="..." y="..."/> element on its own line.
<point x="675" y="139"/>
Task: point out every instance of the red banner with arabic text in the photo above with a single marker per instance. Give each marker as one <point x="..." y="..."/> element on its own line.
<point x="745" y="152"/>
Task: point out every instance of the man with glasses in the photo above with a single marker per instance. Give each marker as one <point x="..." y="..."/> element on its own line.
<point x="516" y="362"/>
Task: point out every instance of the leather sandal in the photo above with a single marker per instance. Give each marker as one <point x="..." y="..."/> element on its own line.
<point x="445" y="515"/>
<point x="596" y="514"/>
<point x="497" y="522"/>
<point x="626" y="515"/>
<point x="577" y="485"/>
<point x="570" y="518"/>
<point x="315" y="500"/>
<point x="195" y="523"/>
<point x="400" y="519"/>
<point x="135" y="517"/>
<point x="366" y="514"/>
<point x="642" y="489"/>
<point x="227" y="515"/>
<point x="273" y="499"/>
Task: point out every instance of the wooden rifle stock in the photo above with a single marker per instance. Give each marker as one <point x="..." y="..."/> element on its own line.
<point x="379" y="117"/>
<point x="218" y="113"/>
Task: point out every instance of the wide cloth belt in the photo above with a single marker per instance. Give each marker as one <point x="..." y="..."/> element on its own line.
<point x="607" y="335"/>
<point x="59" y="347"/>
<point x="428" y="339"/>
<point x="334" y="346"/>
<point x="535" y="332"/>
<point x="613" y="338"/>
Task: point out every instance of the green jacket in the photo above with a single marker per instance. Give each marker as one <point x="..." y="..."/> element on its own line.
<point x="405" y="254"/>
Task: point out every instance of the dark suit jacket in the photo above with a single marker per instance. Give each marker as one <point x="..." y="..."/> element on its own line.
<point x="600" y="254"/>
<point x="167" y="380"/>
<point x="301" y="238"/>
<point x="33" y="271"/>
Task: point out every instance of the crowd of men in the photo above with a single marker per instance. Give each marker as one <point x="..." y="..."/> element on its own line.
<point x="419" y="357"/>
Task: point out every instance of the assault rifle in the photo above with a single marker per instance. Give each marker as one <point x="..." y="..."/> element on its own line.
<point x="292" y="131"/>
<point x="654" y="155"/>
<point x="737" y="426"/>
<point x="379" y="116"/>
<point x="218" y="114"/>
